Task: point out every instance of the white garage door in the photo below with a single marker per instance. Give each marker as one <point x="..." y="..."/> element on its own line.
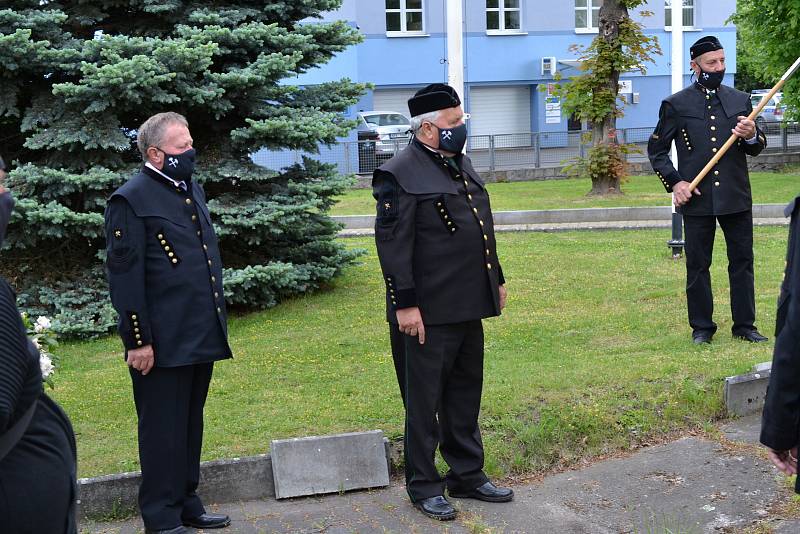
<point x="502" y="112"/>
<point x="392" y="99"/>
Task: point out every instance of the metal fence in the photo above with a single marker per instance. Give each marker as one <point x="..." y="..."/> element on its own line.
<point x="502" y="151"/>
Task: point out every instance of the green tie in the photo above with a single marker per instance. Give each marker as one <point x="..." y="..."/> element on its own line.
<point x="452" y="163"/>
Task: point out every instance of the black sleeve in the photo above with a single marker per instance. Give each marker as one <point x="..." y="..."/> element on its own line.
<point x="754" y="149"/>
<point x="660" y="144"/>
<point x="14" y="356"/>
<point x="780" y="421"/>
<point x="501" y="279"/>
<point x="125" y="254"/>
<point x="394" y="238"/>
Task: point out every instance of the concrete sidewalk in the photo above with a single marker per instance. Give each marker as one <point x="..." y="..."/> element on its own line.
<point x="689" y="485"/>
<point x="567" y="227"/>
<point x="629" y="218"/>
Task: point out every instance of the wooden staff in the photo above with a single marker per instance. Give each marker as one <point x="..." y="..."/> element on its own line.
<point x="733" y="137"/>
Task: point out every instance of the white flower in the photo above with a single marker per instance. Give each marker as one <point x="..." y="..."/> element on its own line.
<point x="42" y="324"/>
<point x="36" y="343"/>
<point x="46" y="365"/>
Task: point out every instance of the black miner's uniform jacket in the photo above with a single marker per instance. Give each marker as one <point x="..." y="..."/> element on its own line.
<point x="165" y="272"/>
<point x="435" y="238"/>
<point x="780" y="426"/>
<point x="700" y="124"/>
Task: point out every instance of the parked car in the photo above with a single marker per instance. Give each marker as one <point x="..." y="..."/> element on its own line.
<point x="394" y="131"/>
<point x="367" y="137"/>
<point x="772" y="115"/>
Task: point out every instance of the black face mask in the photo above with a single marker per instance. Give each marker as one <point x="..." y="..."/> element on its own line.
<point x="710" y="80"/>
<point x="179" y="167"/>
<point x="452" y="139"/>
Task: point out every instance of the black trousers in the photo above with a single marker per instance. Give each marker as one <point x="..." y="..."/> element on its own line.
<point x="169" y="403"/>
<point x="700" y="232"/>
<point x="441" y="383"/>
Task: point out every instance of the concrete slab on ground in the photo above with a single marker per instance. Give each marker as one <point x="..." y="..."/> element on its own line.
<point x="329" y="464"/>
<point x="745" y="394"/>
<point x="791" y="526"/>
<point x="743" y="430"/>
<point x="689" y="485"/>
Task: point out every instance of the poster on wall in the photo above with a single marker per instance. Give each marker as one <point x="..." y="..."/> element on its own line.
<point x="552" y="110"/>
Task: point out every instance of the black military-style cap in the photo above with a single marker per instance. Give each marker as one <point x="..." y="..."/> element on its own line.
<point x="709" y="43"/>
<point x="434" y="97"/>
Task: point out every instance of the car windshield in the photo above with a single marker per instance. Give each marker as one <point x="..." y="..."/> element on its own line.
<point x="774" y="101"/>
<point x="387" y="119"/>
<point x="756" y="100"/>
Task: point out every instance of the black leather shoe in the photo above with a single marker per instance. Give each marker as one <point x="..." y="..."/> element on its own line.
<point x="701" y="336"/>
<point x="208" y="521"/>
<point x="753" y="336"/>
<point x="176" y="530"/>
<point x="487" y="492"/>
<point x="436" y="507"/>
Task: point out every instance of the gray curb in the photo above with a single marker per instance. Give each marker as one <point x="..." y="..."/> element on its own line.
<point x="236" y="479"/>
<point x="745" y="394"/>
<point x="233" y="480"/>
<point x="573" y="216"/>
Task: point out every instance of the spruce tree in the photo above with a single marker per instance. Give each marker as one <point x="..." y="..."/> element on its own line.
<point x="76" y="80"/>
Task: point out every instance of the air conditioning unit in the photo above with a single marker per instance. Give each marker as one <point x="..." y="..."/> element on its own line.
<point x="548" y="66"/>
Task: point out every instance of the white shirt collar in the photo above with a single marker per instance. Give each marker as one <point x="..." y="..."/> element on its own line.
<point x="176" y="183"/>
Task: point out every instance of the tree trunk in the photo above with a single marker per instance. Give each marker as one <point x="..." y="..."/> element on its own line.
<point x="604" y="131"/>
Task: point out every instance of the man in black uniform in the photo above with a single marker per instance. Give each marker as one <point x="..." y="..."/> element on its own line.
<point x="436" y="246"/>
<point x="780" y="424"/>
<point x="700" y="118"/>
<point x="165" y="275"/>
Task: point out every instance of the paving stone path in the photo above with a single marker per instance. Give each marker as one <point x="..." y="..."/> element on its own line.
<point x="691" y="485"/>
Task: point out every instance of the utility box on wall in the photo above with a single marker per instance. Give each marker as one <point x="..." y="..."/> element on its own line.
<point x="548" y="66"/>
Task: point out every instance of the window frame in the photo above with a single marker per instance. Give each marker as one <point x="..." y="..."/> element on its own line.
<point x="501" y="10"/>
<point x="668" y="27"/>
<point x="588" y="9"/>
<point x="403" y="10"/>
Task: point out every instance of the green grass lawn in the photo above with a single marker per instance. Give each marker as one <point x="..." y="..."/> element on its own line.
<point x="592" y="355"/>
<point x="768" y="188"/>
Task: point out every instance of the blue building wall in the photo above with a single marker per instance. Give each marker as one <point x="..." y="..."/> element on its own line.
<point x="548" y="30"/>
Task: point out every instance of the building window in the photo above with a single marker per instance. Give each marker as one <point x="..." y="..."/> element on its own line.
<point x="587" y="15"/>
<point x="404" y="17"/>
<point x="503" y="16"/>
<point x="688" y="13"/>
